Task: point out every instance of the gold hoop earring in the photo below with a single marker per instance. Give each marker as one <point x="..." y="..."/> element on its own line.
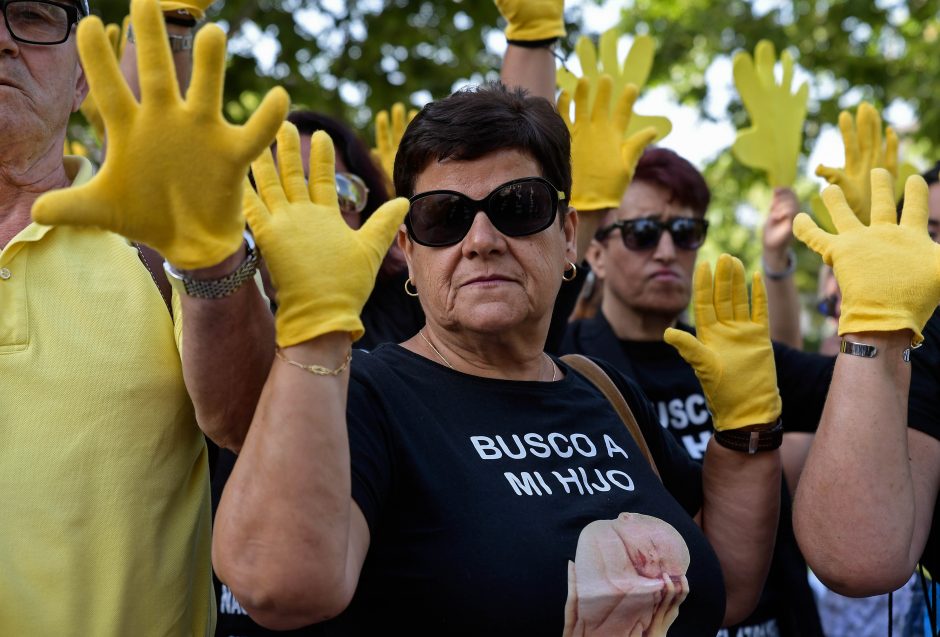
<point x="408" y="290"/>
<point x="573" y="270"/>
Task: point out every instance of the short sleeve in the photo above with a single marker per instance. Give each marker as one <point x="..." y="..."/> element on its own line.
<point x="370" y="457"/>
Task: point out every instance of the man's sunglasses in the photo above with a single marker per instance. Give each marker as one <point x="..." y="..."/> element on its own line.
<point x="517" y="208"/>
<point x="687" y="233"/>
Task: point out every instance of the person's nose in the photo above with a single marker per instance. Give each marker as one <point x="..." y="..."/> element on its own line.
<point x="483" y="238"/>
<point x="7" y="43"/>
<point x="665" y="251"/>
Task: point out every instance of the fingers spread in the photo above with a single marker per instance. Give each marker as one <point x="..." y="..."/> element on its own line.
<point x="205" y="89"/>
<point x="916" y="208"/>
<point x="290" y="163"/>
<point x="322" y="170"/>
<point x="107" y="86"/>
<point x="883" y="210"/>
<point x="842" y="214"/>
<point x="155" y="66"/>
<point x="259" y="131"/>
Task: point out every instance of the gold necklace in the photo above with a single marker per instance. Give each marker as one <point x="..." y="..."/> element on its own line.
<point x="446" y="362"/>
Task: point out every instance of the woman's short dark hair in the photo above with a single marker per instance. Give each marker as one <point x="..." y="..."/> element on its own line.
<point x="351" y="149"/>
<point x="675" y="174"/>
<point x="480" y="120"/>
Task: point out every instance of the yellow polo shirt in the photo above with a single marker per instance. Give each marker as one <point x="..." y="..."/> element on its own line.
<point x="104" y="480"/>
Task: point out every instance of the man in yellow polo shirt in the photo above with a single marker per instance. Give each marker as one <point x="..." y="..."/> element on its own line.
<point x="104" y="498"/>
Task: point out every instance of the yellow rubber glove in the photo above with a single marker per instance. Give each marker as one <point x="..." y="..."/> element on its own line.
<point x="864" y="150"/>
<point x="172" y="178"/>
<point x="322" y="269"/>
<point x="387" y="139"/>
<point x="635" y="70"/>
<point x="116" y="37"/>
<point x="533" y="20"/>
<point x="774" y="140"/>
<point x="889" y="272"/>
<point x="732" y="355"/>
<point x="195" y="8"/>
<point x="601" y="164"/>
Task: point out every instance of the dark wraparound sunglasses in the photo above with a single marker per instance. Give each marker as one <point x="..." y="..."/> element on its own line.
<point x="687" y="233"/>
<point x="517" y="208"/>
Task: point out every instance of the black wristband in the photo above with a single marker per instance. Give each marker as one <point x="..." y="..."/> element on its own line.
<point x="751" y="442"/>
<point x="534" y="44"/>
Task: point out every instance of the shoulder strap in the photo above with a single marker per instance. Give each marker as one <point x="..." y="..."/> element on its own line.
<point x="590" y="370"/>
<point x="154" y="264"/>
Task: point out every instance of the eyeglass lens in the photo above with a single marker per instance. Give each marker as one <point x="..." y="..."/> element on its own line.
<point x="37" y="22"/>
<point x="352" y="193"/>
<point x="642" y="234"/>
<point x="516" y="209"/>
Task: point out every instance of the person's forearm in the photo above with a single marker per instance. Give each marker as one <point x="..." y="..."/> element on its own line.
<point x="283" y="525"/>
<point x="739" y="517"/>
<point x="589" y="222"/>
<point x="532" y="69"/>
<point x="854" y="512"/>
<point x="783" y="302"/>
<point x="228" y="346"/>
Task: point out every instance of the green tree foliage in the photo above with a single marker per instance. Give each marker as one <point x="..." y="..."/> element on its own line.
<point x="352" y="58"/>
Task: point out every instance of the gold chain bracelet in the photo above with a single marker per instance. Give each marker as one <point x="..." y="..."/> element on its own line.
<point x="318" y="370"/>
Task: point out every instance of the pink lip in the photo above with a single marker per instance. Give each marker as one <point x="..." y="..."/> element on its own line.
<point x="664" y="275"/>
<point x="486" y="280"/>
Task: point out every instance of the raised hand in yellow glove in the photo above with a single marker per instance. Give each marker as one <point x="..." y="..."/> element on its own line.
<point x="732" y="355"/>
<point x="323" y="270"/>
<point x="775" y="138"/>
<point x="635" y="70"/>
<point x="172" y="178"/>
<point x="533" y="20"/>
<point x="195" y="8"/>
<point x="116" y="37"/>
<point x="387" y="139"/>
<point x="864" y="150"/>
<point x="602" y="162"/>
<point x="889" y="272"/>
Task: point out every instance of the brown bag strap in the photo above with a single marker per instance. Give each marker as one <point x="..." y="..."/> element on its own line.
<point x="590" y="370"/>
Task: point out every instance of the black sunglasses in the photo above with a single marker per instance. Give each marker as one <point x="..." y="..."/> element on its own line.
<point x="517" y="208"/>
<point x="688" y="233"/>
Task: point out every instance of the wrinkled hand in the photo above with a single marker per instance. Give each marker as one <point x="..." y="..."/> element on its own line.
<point x="117" y="36"/>
<point x="778" y="229"/>
<point x="323" y="270"/>
<point x="533" y="20"/>
<point x="195" y="8"/>
<point x="172" y="178"/>
<point x="889" y="272"/>
<point x="775" y="138"/>
<point x="732" y="356"/>
<point x="635" y="70"/>
<point x="601" y="164"/>
<point x="864" y="150"/>
<point x="387" y="139"/>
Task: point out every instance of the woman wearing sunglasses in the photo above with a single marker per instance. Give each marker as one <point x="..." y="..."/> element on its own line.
<point x="440" y="486"/>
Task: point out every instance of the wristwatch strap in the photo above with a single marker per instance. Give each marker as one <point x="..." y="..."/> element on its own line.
<point x="177" y="42"/>
<point x="217" y="288"/>
<point x="751" y="442"/>
<point x="858" y="349"/>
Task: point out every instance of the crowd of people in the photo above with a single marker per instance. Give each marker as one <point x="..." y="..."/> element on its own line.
<point x="262" y="381"/>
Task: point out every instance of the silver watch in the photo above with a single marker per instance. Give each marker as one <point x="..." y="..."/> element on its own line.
<point x="177" y="42"/>
<point x="217" y="288"/>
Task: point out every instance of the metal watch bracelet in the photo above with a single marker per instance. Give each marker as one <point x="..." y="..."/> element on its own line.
<point x="221" y="287"/>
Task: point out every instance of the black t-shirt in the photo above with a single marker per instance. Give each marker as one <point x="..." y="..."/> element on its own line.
<point x="477" y="490"/>
<point x="786" y="606"/>
<point x="923" y="414"/>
